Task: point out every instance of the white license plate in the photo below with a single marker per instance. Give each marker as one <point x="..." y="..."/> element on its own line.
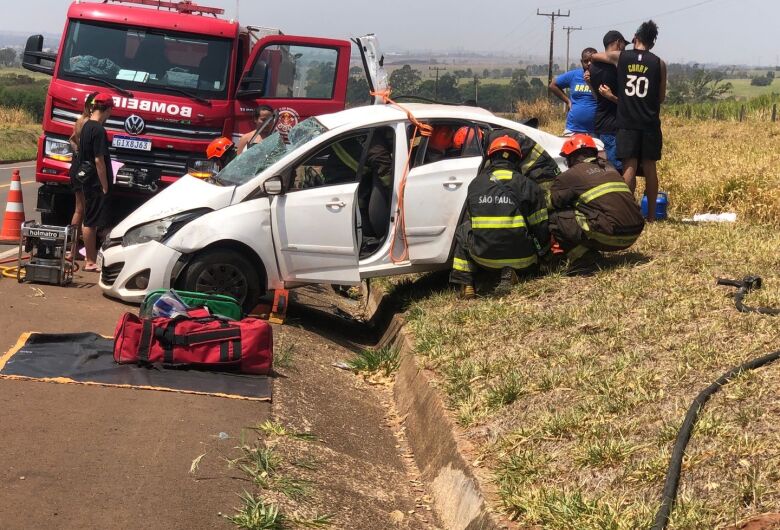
<point x="100" y="260"/>
<point x="127" y="142"/>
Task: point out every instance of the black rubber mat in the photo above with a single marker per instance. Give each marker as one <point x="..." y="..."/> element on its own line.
<point x="87" y="358"/>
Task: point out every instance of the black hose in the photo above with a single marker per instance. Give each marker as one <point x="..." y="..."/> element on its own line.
<point x="744" y="286"/>
<point x="684" y="434"/>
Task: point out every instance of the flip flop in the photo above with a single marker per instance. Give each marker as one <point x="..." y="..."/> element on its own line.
<point x="90" y="269"/>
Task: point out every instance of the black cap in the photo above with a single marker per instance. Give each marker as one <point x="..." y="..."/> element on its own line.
<point x="612" y="36"/>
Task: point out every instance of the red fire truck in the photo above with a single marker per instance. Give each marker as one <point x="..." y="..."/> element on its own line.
<point x="180" y="77"/>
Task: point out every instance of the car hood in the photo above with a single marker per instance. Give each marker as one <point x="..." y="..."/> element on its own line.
<point x="187" y="193"/>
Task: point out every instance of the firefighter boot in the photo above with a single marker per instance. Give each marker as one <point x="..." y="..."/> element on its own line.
<point x="508" y="279"/>
<point x="467" y="292"/>
<point x="585" y="265"/>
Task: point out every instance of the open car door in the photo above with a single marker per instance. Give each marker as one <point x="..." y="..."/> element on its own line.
<point x="297" y="76"/>
<point x="373" y="63"/>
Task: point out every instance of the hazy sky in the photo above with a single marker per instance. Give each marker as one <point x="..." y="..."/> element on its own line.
<point x="722" y="31"/>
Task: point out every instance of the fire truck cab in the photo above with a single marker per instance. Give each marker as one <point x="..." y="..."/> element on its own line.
<point x="180" y="77"/>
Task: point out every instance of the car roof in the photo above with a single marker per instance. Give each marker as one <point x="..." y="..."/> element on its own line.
<point x="372" y="114"/>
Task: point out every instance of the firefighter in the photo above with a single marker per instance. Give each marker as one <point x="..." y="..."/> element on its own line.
<point x="536" y="163"/>
<point x="468" y="140"/>
<point x="506" y="221"/>
<point x="222" y="151"/>
<point x="592" y="207"/>
<point x="439" y="143"/>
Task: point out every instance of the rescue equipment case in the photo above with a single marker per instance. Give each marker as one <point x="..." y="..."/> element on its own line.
<point x="218" y="304"/>
<point x="199" y="340"/>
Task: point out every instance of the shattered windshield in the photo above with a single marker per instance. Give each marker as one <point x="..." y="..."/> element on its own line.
<point x="150" y="60"/>
<point x="253" y="161"/>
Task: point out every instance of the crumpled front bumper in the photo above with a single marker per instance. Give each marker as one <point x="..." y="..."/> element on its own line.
<point x="123" y="267"/>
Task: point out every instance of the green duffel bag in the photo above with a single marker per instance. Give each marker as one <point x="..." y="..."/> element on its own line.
<point x="218" y="304"/>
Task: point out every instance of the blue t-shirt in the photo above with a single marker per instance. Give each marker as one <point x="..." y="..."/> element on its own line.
<point x="582" y="115"/>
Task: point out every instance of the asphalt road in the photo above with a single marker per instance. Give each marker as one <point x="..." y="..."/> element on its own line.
<point x="29" y="192"/>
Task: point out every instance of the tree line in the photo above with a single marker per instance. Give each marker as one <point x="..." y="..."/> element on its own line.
<point x="687" y="84"/>
<point x="454" y="87"/>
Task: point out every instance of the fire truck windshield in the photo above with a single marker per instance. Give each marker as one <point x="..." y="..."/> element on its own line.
<point x="257" y="159"/>
<point x="148" y="60"/>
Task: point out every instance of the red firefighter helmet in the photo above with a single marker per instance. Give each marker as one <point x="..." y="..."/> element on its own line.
<point x="441" y="138"/>
<point x="504" y="143"/>
<point x="465" y="135"/>
<point x="577" y="142"/>
<point x="219" y="147"/>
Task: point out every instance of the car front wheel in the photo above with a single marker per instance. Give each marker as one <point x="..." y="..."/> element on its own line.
<point x="224" y="272"/>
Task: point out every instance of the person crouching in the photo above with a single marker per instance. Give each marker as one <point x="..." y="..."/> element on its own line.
<point x="506" y="222"/>
<point x="592" y="207"/>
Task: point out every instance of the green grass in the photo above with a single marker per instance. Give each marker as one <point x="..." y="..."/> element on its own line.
<point x="273" y="463"/>
<point x="18" y="70"/>
<point x="256" y="514"/>
<point x="382" y="360"/>
<point x="583" y="382"/>
<point x="744" y="90"/>
<point x="18" y="142"/>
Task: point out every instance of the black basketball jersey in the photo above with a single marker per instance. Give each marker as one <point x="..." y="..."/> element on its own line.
<point x="639" y="85"/>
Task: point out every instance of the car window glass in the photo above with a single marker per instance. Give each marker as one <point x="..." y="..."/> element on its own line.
<point x="305" y="72"/>
<point x="449" y="140"/>
<point x="251" y="162"/>
<point x="151" y="60"/>
<point x="336" y="163"/>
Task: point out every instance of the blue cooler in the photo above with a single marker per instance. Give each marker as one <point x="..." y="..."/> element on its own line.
<point x="660" y="206"/>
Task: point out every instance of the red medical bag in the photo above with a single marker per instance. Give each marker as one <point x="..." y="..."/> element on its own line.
<point x="199" y="340"/>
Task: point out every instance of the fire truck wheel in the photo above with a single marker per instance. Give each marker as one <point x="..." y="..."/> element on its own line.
<point x="223" y="271"/>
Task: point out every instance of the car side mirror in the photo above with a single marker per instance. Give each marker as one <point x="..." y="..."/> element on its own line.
<point x="34" y="56"/>
<point x="253" y="85"/>
<point x="273" y="186"/>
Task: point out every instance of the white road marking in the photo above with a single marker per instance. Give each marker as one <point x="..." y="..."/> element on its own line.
<point x="9" y="253"/>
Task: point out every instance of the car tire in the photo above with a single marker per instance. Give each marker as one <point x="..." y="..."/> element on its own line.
<point x="225" y="272"/>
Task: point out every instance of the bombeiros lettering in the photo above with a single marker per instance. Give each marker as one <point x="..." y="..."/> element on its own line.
<point x="159" y="107"/>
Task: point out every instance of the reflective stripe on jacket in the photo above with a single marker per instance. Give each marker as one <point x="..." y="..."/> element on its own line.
<point x="606" y="209"/>
<point x="508" y="220"/>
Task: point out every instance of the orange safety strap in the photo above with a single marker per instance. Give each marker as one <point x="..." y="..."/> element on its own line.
<point x="423" y="129"/>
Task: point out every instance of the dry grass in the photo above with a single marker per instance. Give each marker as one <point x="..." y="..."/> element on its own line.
<point x="716" y="166"/>
<point x="573" y="388"/>
<point x="18" y="135"/>
<point x="15" y="117"/>
<point x="547" y="111"/>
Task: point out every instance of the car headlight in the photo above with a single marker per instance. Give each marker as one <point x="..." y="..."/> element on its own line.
<point x="161" y="228"/>
<point x="58" y="150"/>
<point x="203" y="169"/>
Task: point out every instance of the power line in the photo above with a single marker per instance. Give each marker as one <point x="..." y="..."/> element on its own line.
<point x="436" y="84"/>
<point x="569" y="29"/>
<point x="670" y="12"/>
<point x="552" y="35"/>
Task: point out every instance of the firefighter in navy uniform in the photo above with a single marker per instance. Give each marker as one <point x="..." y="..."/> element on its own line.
<point x="535" y="163"/>
<point x="592" y="207"/>
<point x="506" y="221"/>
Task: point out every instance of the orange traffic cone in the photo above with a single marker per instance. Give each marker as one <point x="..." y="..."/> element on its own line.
<point x="14" y="212"/>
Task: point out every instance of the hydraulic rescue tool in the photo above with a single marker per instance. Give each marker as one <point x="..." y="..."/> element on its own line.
<point x="51" y="252"/>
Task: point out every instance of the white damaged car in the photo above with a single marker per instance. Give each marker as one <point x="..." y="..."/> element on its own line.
<point x="293" y="211"/>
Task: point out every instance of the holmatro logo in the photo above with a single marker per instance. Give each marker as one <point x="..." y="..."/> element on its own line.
<point x="153" y="106"/>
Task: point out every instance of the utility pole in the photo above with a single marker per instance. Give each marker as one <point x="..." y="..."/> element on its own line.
<point x="569" y="29"/>
<point x="436" y="84"/>
<point x="476" y="88"/>
<point x="552" y="34"/>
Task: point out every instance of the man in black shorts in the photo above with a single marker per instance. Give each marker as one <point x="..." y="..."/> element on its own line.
<point x="641" y="90"/>
<point x="93" y="148"/>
